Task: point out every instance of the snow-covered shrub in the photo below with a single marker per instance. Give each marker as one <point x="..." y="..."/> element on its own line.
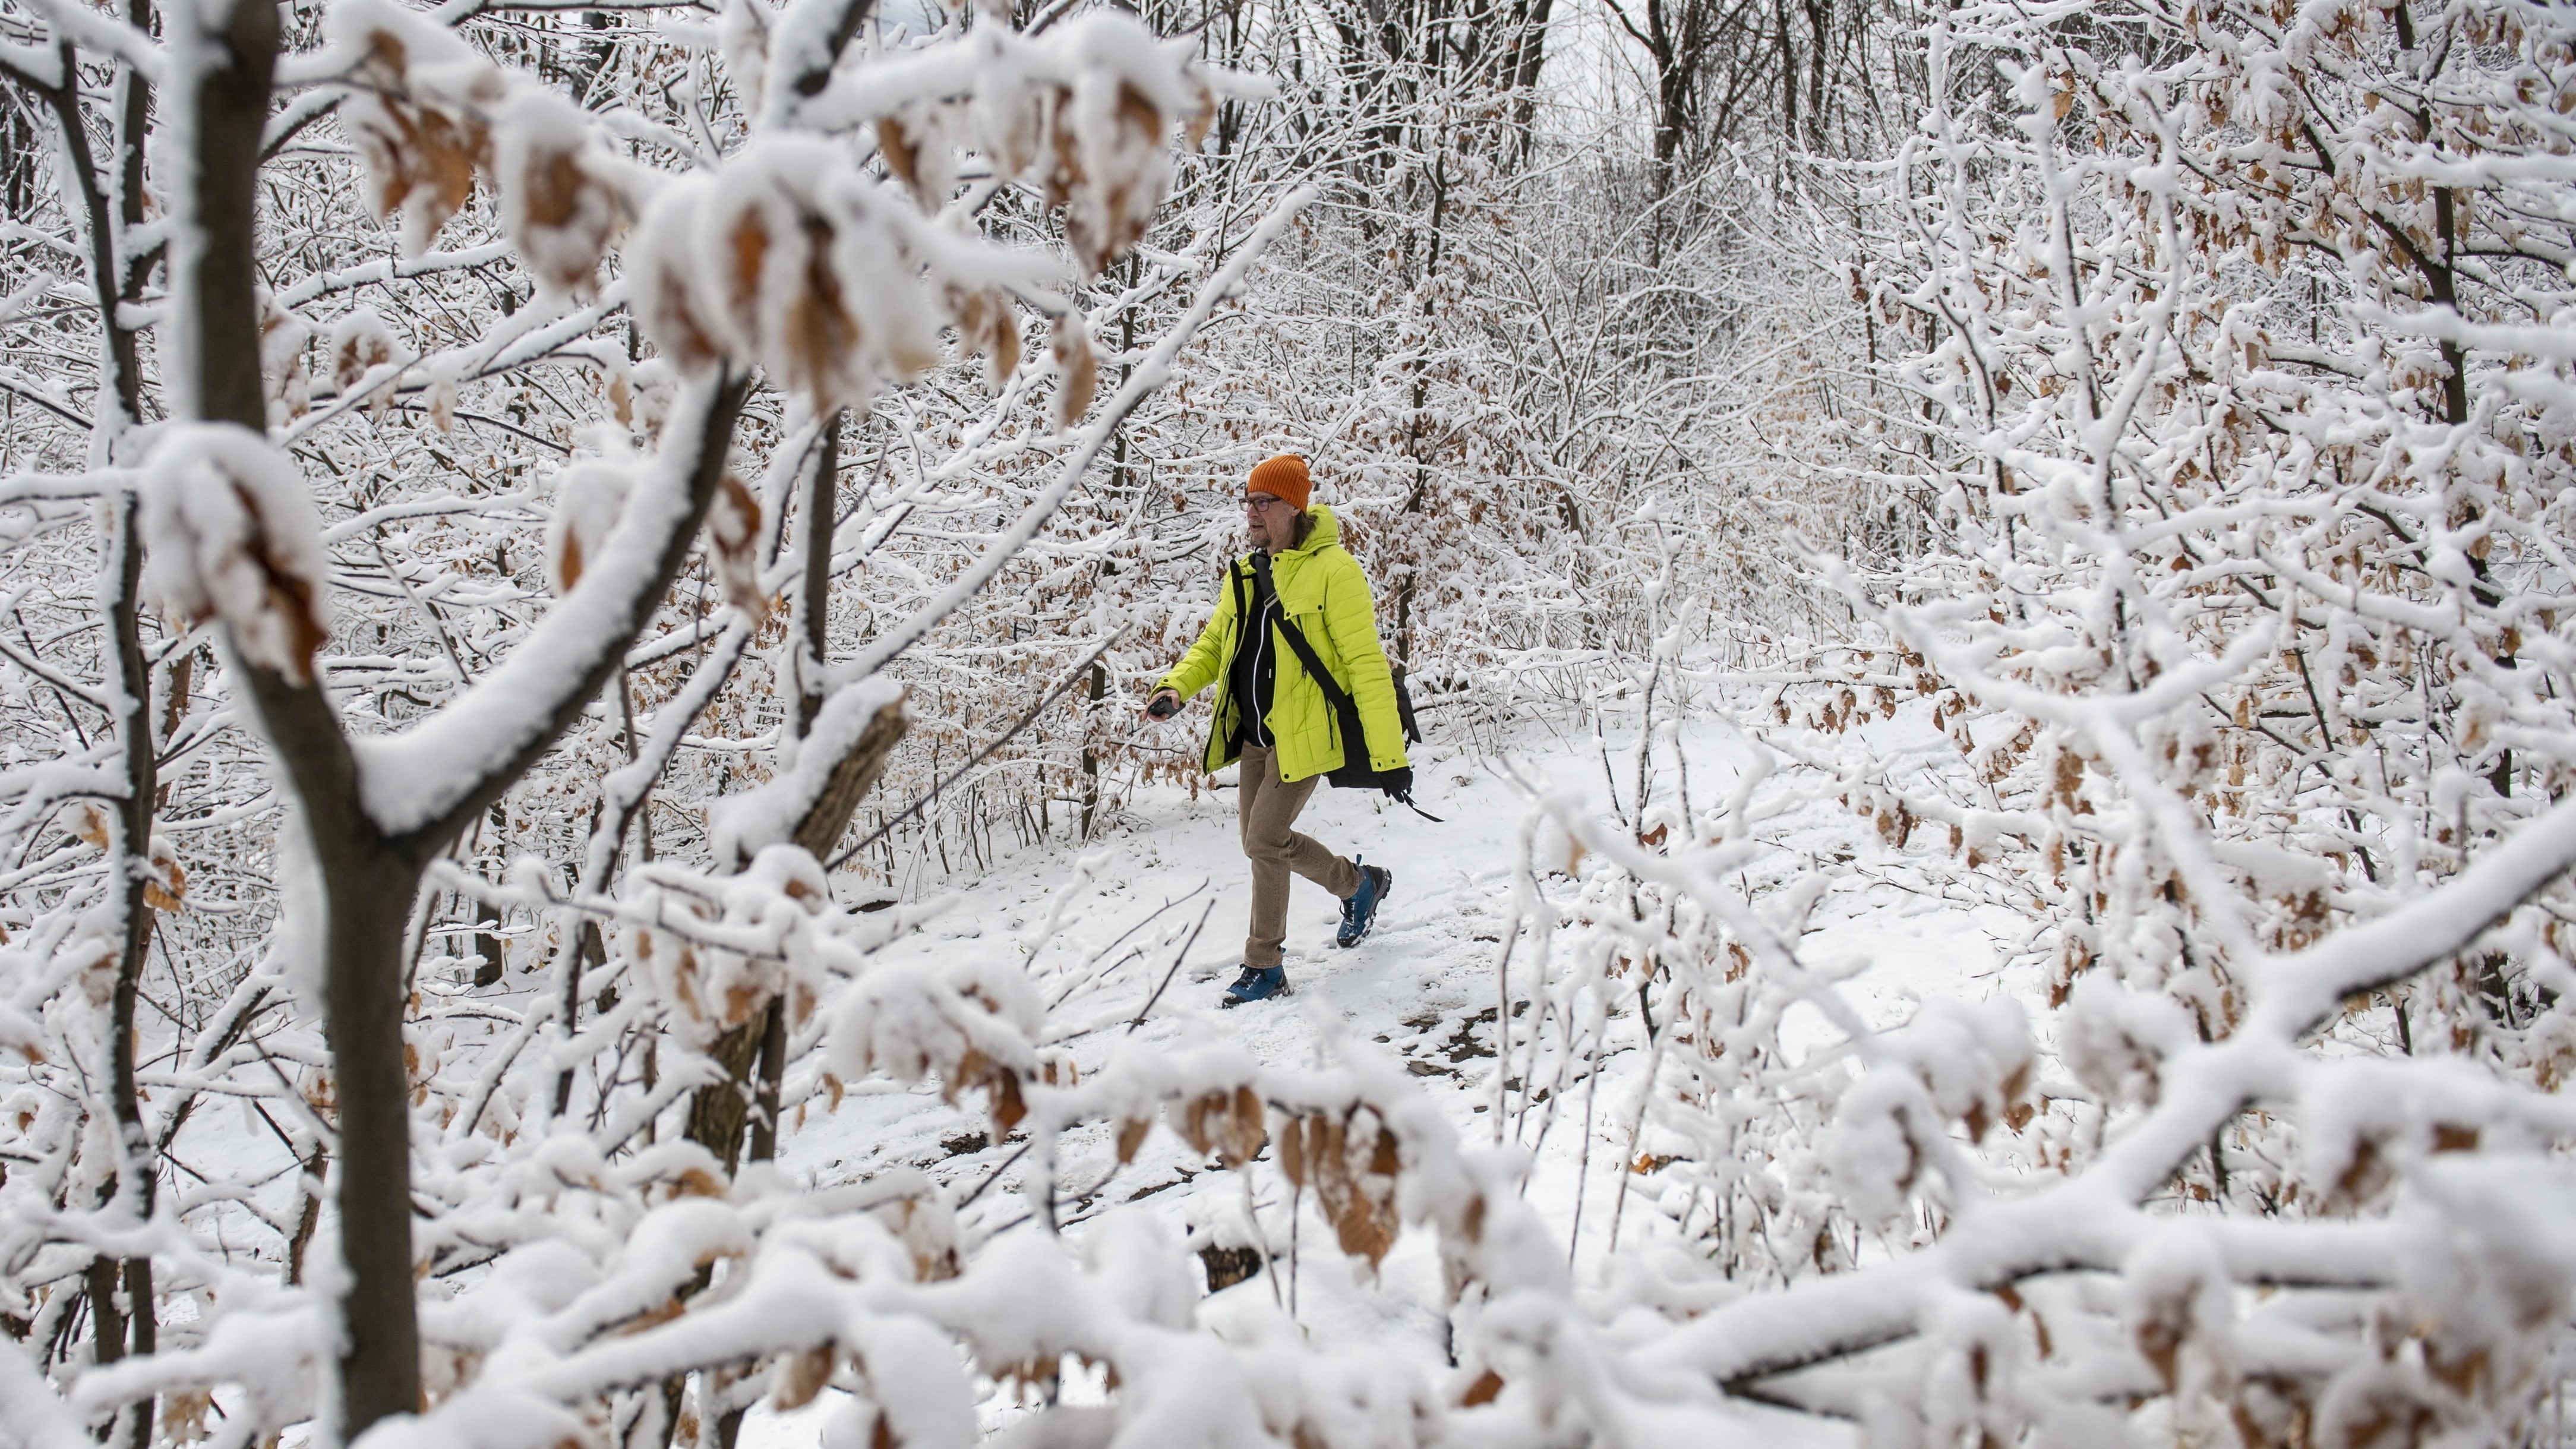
<point x="2241" y="615"/>
<point x="442" y="778"/>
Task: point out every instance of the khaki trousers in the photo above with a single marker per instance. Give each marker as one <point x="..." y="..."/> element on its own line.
<point x="1272" y="844"/>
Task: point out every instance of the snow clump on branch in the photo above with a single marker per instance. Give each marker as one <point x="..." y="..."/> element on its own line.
<point x="429" y="115"/>
<point x="232" y="536"/>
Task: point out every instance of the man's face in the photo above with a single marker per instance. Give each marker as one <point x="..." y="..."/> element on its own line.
<point x="1272" y="521"/>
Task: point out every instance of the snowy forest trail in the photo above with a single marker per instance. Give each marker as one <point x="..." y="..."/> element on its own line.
<point x="1151" y="914"/>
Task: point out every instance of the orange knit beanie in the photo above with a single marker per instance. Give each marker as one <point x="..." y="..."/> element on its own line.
<point x="1283" y="477"/>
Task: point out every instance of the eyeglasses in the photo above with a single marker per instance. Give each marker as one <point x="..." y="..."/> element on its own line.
<point x="1259" y="502"/>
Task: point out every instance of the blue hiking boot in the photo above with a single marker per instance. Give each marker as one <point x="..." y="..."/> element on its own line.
<point x="1256" y="984"/>
<point x="1359" y="908"/>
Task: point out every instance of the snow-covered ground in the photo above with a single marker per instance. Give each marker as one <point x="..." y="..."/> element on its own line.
<point x="1422" y="989"/>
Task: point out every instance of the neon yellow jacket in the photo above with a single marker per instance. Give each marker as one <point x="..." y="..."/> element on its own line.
<point x="1322" y="589"/>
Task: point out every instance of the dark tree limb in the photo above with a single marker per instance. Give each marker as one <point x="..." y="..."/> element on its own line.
<point x="720" y="1111"/>
<point x="851" y="780"/>
<point x="570" y="691"/>
<point x="370" y="875"/>
<point x="1080" y="671"/>
<point x="122" y="1313"/>
<point x="811" y="81"/>
<point x="817" y="519"/>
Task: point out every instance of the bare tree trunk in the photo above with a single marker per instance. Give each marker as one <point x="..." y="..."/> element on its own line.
<point x="369" y="876"/>
<point x="136" y="1161"/>
<point x="719" y="1111"/>
<point x="1528" y="58"/>
<point x="814" y="602"/>
<point x="369" y="880"/>
<point x="370" y="895"/>
<point x="753" y="1054"/>
<point x="120" y="1292"/>
<point x="231" y="107"/>
<point x="773" y="1073"/>
<point x="1090" y="755"/>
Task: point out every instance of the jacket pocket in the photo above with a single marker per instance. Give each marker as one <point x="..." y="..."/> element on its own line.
<point x="1314" y="751"/>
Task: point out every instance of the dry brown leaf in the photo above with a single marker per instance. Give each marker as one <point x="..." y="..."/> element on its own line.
<point x="802" y="1376"/>
<point x="1131" y="1135"/>
<point x="1007" y="1106"/>
<point x="183" y="1416"/>
<point x="167" y="884"/>
<point x="1207" y="1124"/>
<point x="420" y="154"/>
<point x="1245" y="1129"/>
<point x="671" y="315"/>
<point x="1012" y="126"/>
<point x="1077" y="369"/>
<point x="1110" y="174"/>
<point x="697" y="1182"/>
<point x="561" y="213"/>
<point x="929" y="1235"/>
<point x="291" y="603"/>
<point x="747" y="257"/>
<point x="744" y="998"/>
<point x="1194" y="126"/>
<point x="1064" y="173"/>
<point x="987" y="328"/>
<point x="902" y="156"/>
<point x="356" y="353"/>
<point x="567" y="562"/>
<point x="1353" y="1163"/>
<point x="733" y="534"/>
<point x="968" y="1071"/>
<point x="282" y="336"/>
<point x="821" y="333"/>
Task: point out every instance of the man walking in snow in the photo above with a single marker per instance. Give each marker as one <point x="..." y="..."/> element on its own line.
<point x="1303" y="598"/>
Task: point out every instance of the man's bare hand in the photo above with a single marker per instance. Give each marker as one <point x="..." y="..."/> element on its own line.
<point x="1162" y="704"/>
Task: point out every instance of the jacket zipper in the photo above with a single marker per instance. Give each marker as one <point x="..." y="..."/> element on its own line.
<point x="1261" y="648"/>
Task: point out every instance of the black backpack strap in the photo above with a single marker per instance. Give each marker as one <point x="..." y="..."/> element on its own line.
<point x="1344" y="708"/>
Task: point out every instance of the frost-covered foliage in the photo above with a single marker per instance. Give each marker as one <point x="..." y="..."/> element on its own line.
<point x="538" y="537"/>
<point x="536" y="308"/>
<point x="2241" y="608"/>
<point x="1521" y="361"/>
